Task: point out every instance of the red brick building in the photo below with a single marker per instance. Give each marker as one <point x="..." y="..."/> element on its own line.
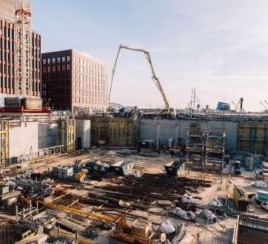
<point x="72" y="80"/>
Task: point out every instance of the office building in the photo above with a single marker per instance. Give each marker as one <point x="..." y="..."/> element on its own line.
<point x="20" y="51"/>
<point x="72" y="80"/>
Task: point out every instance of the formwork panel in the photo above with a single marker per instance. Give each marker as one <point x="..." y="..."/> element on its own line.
<point x="114" y="131"/>
<point x="252" y="137"/>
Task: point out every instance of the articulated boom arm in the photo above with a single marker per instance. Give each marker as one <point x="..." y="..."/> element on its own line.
<point x="154" y="77"/>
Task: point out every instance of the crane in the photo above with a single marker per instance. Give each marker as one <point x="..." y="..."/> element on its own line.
<point x="239" y="104"/>
<point x="265" y="107"/>
<point x="154" y="77"/>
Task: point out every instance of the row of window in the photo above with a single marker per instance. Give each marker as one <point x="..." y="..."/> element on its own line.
<point x="89" y="100"/>
<point x="55" y="68"/>
<point x="8" y="32"/>
<point x="92" y="93"/>
<point x="53" y="60"/>
<point x="87" y="63"/>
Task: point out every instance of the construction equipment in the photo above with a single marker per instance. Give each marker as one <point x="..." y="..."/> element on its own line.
<point x="239" y="104"/>
<point x="157" y="82"/>
<point x="237" y="169"/>
<point x="240" y="198"/>
<point x="264" y="105"/>
<point x="174" y="168"/>
<point x="80" y="176"/>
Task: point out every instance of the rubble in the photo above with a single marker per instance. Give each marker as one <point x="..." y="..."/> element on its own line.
<point x="166" y="227"/>
<point x="260" y="184"/>
<point x="187" y="215"/>
<point x="207" y="216"/>
<point x="215" y="202"/>
<point x="186" y="198"/>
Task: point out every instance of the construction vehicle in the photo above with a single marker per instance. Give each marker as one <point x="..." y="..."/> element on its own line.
<point x="237" y="169"/>
<point x="240" y="198"/>
<point x="175" y="168"/>
<point x="167" y="110"/>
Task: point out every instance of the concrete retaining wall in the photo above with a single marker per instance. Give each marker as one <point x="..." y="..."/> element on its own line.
<point x="47" y="135"/>
<point x="83" y="134"/>
<point x="23" y="139"/>
<point x="164" y="130"/>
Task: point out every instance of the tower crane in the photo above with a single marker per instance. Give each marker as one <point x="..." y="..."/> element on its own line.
<point x="156" y="80"/>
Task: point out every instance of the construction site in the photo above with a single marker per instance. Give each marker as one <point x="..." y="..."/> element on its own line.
<point x="126" y="175"/>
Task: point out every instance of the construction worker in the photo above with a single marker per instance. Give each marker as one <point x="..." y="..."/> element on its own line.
<point x="172" y="153"/>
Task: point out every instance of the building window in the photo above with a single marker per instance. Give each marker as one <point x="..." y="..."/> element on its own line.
<point x="68" y="58"/>
<point x="58" y="59"/>
<point x="63" y="59"/>
<point x="48" y="61"/>
<point x="53" y="60"/>
<point x="44" y="61"/>
<point x="68" y="66"/>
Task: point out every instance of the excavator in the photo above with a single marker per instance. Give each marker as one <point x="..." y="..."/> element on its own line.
<point x="167" y="109"/>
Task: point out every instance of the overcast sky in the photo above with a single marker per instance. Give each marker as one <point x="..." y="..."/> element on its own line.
<point x="219" y="47"/>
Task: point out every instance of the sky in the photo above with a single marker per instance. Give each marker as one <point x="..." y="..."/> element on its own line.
<point x="218" y="47"/>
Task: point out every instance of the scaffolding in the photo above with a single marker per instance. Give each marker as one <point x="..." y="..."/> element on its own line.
<point x="195" y="146"/>
<point x="215" y="151"/>
<point x="23" y="48"/>
<point x="4" y="143"/>
<point x="205" y="150"/>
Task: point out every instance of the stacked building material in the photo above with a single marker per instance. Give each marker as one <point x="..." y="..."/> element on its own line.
<point x="8" y="197"/>
<point x="122" y="168"/>
<point x="175" y="168"/>
<point x="63" y="172"/>
<point x="35" y="188"/>
<point x="98" y="167"/>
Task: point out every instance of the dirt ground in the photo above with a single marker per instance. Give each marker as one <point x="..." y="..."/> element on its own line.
<point x="221" y="187"/>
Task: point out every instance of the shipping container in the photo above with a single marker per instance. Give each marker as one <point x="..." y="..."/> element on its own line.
<point x="12" y="102"/>
<point x="32" y="103"/>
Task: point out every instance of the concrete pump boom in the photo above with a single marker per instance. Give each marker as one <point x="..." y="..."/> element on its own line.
<point x="154" y="77"/>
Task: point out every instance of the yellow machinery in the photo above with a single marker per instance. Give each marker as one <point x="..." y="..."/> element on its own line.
<point x="240" y="198"/>
<point x="80" y="176"/>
